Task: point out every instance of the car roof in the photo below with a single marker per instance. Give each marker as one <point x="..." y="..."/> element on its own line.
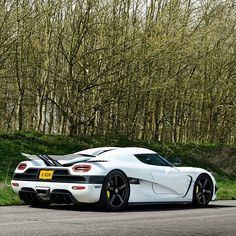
<point x="118" y="152"/>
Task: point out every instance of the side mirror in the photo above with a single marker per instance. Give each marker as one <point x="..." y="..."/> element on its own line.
<point x="177" y="161"/>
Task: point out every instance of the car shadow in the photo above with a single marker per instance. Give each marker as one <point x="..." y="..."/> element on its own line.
<point x="171" y="207"/>
<point x="136" y="208"/>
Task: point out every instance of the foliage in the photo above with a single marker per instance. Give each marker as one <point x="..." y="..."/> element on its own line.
<point x="161" y="70"/>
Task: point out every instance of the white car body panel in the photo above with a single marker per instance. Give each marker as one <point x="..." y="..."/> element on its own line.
<point x="156" y="184"/>
<point x="164" y="176"/>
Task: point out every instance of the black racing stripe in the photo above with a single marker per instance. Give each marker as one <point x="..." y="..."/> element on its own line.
<point x="96" y="179"/>
<point x="55" y="162"/>
<point x="88" y="179"/>
<point x="45" y="160"/>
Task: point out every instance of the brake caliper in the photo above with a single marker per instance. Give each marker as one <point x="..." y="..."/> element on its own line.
<point x="197" y="189"/>
<point x="108" y="195"/>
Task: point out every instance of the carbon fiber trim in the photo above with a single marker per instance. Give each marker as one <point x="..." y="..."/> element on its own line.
<point x="58" y="196"/>
<point x="188" y="186"/>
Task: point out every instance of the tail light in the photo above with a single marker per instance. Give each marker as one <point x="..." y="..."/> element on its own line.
<point x="21" y="166"/>
<point x="78" y="187"/>
<point x="82" y="168"/>
<point x="15" y="184"/>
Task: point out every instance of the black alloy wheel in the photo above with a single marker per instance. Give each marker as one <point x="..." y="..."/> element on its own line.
<point x="203" y="190"/>
<point x="115" y="191"/>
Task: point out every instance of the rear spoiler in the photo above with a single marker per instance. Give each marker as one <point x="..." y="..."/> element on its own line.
<point x="45" y="158"/>
<point x="56" y="160"/>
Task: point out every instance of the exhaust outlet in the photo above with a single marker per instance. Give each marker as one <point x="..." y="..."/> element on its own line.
<point x="43" y="192"/>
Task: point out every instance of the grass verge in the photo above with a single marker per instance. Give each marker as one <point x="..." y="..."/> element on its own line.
<point x="227" y="188"/>
<point x="7" y="196"/>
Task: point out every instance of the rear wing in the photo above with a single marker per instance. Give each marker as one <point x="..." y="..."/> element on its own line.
<point x="45" y="158"/>
<point x="56" y="160"/>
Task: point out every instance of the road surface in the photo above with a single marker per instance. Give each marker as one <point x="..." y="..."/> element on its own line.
<point x="218" y="219"/>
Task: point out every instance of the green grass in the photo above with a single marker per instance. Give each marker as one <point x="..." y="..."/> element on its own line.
<point x="219" y="159"/>
<point x="227" y="188"/>
<point x="7" y="196"/>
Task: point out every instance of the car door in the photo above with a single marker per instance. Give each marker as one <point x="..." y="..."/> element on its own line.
<point x="168" y="179"/>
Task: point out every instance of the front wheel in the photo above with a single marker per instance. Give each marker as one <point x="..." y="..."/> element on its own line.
<point x="115" y="191"/>
<point x="203" y="191"/>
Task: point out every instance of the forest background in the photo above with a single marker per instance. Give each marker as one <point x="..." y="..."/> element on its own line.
<point x="161" y="70"/>
<point x="158" y="71"/>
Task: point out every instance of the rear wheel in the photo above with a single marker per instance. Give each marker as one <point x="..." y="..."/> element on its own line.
<point x="115" y="192"/>
<point x="203" y="190"/>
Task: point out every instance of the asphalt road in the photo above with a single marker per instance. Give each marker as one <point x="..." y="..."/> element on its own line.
<point x="218" y="219"/>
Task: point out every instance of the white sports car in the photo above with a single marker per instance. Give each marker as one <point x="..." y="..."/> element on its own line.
<point x="111" y="177"/>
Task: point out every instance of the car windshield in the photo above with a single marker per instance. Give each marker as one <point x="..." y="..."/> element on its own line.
<point x="152" y="159"/>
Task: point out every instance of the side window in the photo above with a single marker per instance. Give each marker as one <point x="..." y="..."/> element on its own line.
<point x="152" y="159"/>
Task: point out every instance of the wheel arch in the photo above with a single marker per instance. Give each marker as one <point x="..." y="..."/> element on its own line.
<point x="117" y="169"/>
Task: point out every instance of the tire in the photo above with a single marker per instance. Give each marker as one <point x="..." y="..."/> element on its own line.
<point x="202" y="191"/>
<point x="115" y="192"/>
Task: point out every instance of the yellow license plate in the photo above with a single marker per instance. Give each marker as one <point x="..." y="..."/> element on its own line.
<point x="46" y="174"/>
